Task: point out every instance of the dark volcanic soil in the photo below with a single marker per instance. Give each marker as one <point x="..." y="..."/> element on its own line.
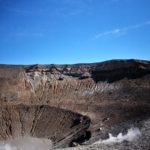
<point x="70" y="103"/>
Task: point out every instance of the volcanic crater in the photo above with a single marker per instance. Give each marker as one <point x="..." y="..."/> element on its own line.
<point x="73" y="104"/>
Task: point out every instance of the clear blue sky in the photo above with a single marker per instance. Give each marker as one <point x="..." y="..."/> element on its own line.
<point x="73" y="31"/>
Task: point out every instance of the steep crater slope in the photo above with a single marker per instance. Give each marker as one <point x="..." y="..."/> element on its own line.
<point x="57" y="125"/>
<point x="109" y="93"/>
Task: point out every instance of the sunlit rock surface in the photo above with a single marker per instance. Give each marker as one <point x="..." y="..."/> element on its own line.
<point x="74" y="103"/>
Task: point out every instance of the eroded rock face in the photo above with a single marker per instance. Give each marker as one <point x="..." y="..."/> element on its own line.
<point x="108" y="93"/>
<point x="41" y="121"/>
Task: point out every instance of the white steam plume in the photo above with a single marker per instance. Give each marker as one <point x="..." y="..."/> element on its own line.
<point x="132" y="134"/>
<point x="26" y="143"/>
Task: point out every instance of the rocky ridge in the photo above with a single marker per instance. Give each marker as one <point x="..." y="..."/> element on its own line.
<point x="92" y="96"/>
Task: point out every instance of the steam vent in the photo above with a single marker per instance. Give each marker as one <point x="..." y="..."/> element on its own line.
<point x="73" y="104"/>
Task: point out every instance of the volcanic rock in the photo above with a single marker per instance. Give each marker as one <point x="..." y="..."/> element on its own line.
<point x="64" y="103"/>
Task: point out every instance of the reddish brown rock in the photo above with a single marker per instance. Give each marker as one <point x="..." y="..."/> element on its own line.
<point x="117" y="89"/>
